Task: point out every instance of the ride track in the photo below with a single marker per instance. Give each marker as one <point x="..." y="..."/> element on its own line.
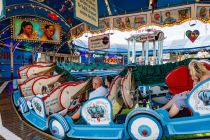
<point x="11" y="119"/>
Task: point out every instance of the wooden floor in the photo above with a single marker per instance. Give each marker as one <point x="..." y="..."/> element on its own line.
<point x="11" y="121"/>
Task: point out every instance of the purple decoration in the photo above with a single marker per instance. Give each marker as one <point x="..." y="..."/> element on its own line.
<point x="10" y="85"/>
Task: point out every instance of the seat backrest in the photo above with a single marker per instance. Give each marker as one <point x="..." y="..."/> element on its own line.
<point x="179" y="80"/>
<point x="114" y="95"/>
<point x="128" y="85"/>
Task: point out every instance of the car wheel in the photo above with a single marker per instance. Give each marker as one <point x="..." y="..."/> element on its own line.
<point x="58" y="126"/>
<point x="144" y="127"/>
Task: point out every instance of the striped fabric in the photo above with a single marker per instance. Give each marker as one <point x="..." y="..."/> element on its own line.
<point x="62" y="121"/>
<point x="23" y="105"/>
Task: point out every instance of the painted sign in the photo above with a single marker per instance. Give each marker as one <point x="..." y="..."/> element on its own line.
<point x="2" y="8"/>
<point x="99" y="42"/>
<point x="87" y="10"/>
<point x="171" y="16"/>
<point x="203" y="13"/>
<point x="29" y="30"/>
<point x="129" y="22"/>
<point x="77" y="31"/>
<point x="104" y="24"/>
<point x="146" y="37"/>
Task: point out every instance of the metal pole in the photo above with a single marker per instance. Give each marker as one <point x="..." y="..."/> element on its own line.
<point x="161" y="48"/>
<point x="128" y="51"/>
<point x="154" y="53"/>
<point x="134" y="52"/>
<point x="11" y="61"/>
<point x="160" y="52"/>
<point x="147" y="53"/>
<point x="143" y="52"/>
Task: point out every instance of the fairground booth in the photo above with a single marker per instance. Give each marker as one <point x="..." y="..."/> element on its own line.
<point x="104" y="69"/>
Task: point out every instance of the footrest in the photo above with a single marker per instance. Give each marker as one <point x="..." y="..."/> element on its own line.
<point x="16" y="96"/>
<point x="96" y="132"/>
<point x="36" y="120"/>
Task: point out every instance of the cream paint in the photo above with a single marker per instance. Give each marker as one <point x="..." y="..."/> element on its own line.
<point x="3" y="86"/>
<point x="5" y="133"/>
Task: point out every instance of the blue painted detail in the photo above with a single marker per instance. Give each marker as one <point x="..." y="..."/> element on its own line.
<point x="36" y="120"/>
<point x="16" y="95"/>
<point x="23" y="105"/>
<point x="146" y="127"/>
<point x="96" y="132"/>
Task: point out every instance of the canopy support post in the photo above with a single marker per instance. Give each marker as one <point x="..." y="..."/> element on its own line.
<point x="134" y="51"/>
<point x="128" y="51"/>
<point x="147" y="53"/>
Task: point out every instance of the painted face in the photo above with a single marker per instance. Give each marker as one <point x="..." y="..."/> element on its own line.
<point x="50" y="32"/>
<point x="168" y="15"/>
<point x="28" y="30"/>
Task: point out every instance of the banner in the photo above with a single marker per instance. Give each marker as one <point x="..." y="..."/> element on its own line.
<point x="31" y="30"/>
<point x="104" y="24"/>
<point x="2" y="8"/>
<point x="87" y="10"/>
<point x="203" y="13"/>
<point x="162" y="17"/>
<point x="78" y="30"/>
<point x="129" y="22"/>
<point x="168" y="17"/>
<point x="99" y="42"/>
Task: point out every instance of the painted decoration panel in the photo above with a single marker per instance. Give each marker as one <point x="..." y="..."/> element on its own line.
<point x="104" y="24"/>
<point x="203" y="13"/>
<point x="171" y="16"/>
<point x="37" y="31"/>
<point x="78" y="30"/>
<point x="129" y="22"/>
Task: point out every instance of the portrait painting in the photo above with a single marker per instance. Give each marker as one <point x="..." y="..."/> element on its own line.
<point x="31" y="30"/>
